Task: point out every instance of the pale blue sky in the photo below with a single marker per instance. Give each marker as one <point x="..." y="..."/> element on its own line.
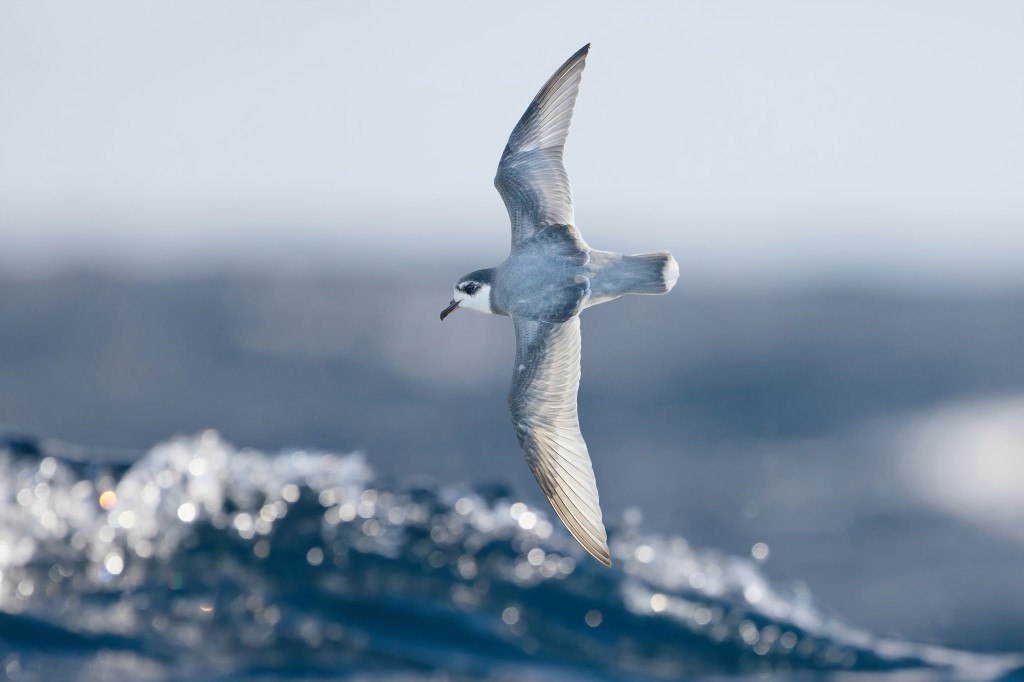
<point x="761" y="142"/>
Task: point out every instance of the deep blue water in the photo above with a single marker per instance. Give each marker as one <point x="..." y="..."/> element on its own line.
<point x="200" y="561"/>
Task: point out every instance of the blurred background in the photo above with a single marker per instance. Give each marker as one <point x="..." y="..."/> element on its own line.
<point x="247" y="216"/>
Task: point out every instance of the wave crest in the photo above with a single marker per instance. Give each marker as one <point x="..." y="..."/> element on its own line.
<point x="203" y="559"/>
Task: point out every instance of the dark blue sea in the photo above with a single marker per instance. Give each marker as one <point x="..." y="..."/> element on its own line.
<point x="228" y="480"/>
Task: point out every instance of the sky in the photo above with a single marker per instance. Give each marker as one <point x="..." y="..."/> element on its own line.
<point x="760" y="142"/>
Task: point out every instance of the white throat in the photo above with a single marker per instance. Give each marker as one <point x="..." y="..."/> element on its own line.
<point x="480" y="301"/>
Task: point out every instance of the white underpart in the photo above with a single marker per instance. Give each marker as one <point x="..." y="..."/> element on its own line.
<point x="479" y="301"/>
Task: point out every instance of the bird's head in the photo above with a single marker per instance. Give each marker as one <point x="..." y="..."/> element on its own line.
<point x="473" y="292"/>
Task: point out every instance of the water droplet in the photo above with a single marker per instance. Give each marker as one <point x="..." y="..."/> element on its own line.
<point x="753" y="593"/>
<point x="48" y="467"/>
<point x="644" y="554"/>
<point x="748" y="632"/>
<point x="187" y="512"/>
<point x="114" y="564"/>
<point x="632" y="516"/>
<point x="108" y="498"/>
<point x="126" y="519"/>
<point x="290" y="493"/>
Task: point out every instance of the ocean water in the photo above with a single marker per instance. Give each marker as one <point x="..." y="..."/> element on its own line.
<point x="797" y="485"/>
<point x="203" y="561"/>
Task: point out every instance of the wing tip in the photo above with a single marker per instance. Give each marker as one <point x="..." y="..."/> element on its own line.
<point x="578" y="56"/>
<point x="599" y="552"/>
<point x="596" y="545"/>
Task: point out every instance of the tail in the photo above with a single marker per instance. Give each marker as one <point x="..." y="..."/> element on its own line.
<point x="645" y="273"/>
<point x="652" y="273"/>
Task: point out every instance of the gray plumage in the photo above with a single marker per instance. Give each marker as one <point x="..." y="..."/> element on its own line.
<point x="549" y="277"/>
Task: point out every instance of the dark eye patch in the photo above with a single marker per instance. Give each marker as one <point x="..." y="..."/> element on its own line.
<point x="470" y="288"/>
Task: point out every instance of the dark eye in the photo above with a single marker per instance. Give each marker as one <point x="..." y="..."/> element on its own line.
<point x="470" y="288"/>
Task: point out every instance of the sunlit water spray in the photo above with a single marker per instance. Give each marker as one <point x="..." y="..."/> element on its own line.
<point x="200" y="559"/>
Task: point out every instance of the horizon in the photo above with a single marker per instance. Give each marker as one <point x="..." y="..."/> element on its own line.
<point x="842" y="140"/>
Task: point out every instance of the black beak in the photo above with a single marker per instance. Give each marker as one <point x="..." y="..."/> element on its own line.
<point x="452" y="307"/>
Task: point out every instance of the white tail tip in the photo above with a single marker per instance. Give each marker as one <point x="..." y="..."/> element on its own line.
<point x="670" y="273"/>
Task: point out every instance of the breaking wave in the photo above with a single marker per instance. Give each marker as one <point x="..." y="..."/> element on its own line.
<point x="200" y="560"/>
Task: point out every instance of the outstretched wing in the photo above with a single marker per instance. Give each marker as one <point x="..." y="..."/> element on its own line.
<point x="543" y="403"/>
<point x="531" y="176"/>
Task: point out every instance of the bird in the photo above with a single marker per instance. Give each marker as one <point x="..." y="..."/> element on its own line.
<point x="549" y="277"/>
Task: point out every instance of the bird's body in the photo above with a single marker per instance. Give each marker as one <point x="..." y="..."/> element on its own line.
<point x="549" y="277"/>
<point x="555" y="275"/>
